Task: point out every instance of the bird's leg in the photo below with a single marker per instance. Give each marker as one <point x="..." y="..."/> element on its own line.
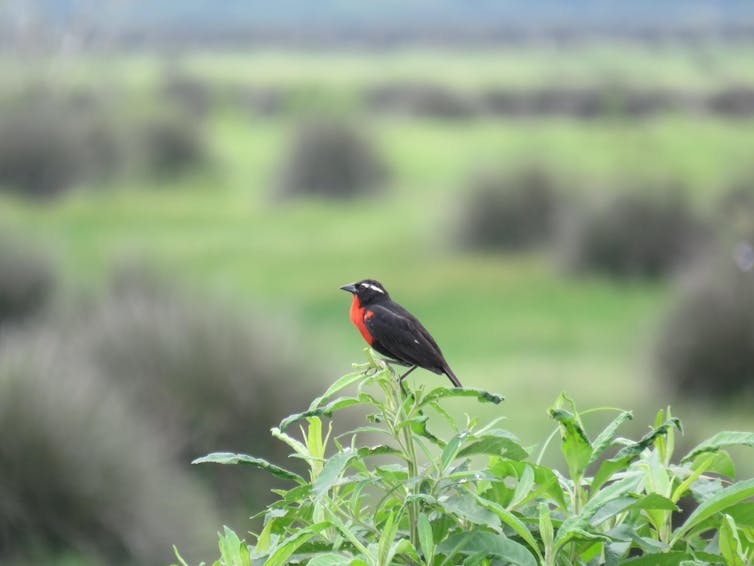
<point x="404" y="376"/>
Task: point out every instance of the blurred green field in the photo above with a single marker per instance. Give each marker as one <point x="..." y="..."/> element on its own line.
<point x="510" y="323"/>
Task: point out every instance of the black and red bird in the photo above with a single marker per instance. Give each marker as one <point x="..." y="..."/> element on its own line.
<point x="393" y="331"/>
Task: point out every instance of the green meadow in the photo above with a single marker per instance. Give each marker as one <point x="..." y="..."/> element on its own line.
<point x="512" y="323"/>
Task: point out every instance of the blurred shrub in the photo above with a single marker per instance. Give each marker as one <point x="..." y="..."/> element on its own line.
<point x="27" y="278"/>
<point x="79" y="471"/>
<point x="706" y="343"/>
<point x="734" y="101"/>
<point x="510" y="210"/>
<point x="263" y="100"/>
<point x="581" y="102"/>
<point x="331" y="159"/>
<point x="421" y="99"/>
<point x="190" y="95"/>
<point x="201" y="372"/>
<point x="630" y="234"/>
<point x="170" y="143"/>
<point x="45" y="143"/>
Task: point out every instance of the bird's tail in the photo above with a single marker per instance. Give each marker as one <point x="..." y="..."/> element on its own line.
<point x="451" y="376"/>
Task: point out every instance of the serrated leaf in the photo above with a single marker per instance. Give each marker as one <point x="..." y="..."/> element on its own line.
<point x="491" y="545"/>
<point x="721" y="440"/>
<point x="234" y="458"/>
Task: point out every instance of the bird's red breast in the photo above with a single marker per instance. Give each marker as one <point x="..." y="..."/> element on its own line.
<point x="358" y="315"/>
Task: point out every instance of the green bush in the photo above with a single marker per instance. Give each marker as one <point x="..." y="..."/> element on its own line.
<point x="510" y="211"/>
<point x="632" y="234"/>
<point x="331" y="159"/>
<point x="476" y="497"/>
<point x="170" y="143"/>
<point x="80" y="471"/>
<point x="200" y="371"/>
<point x="27" y="279"/>
<point x="706" y="341"/>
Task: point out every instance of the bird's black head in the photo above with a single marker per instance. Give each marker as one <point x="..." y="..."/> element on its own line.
<point x="367" y="290"/>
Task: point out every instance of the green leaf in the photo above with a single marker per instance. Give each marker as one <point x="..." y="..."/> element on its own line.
<point x="605" y="438"/>
<point x="233" y="551"/>
<point x="426" y="539"/>
<point x="721" y="440"/>
<point x="330" y="559"/>
<point x="512" y="521"/>
<point x="325" y="411"/>
<point x="388" y="531"/>
<point x="331" y="471"/>
<point x="654" y="501"/>
<point x="491" y="545"/>
<point x="730" y="544"/>
<point x="445" y="392"/>
<point x="287" y="547"/>
<point x="465" y="506"/>
<point x="575" y="445"/>
<point x="545" y="529"/>
<point x="496" y="443"/>
<point x="673" y="558"/>
<point x="723" y="499"/>
<point x="340" y="384"/>
<point x="233" y="458"/>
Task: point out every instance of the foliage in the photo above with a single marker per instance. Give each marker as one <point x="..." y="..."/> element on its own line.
<point x="331" y="159"/>
<point x="200" y="371"/>
<point x="27" y="278"/>
<point x="510" y="211"/>
<point x="706" y="342"/>
<point x="631" y="234"/>
<point x="50" y="142"/>
<point x="80" y="471"/>
<point x="475" y="497"/>
<point x="170" y="143"/>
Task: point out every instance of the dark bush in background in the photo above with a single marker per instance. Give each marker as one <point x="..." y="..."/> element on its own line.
<point x="27" y="279"/>
<point x="421" y="99"/>
<point x="44" y="145"/>
<point x="706" y="343"/>
<point x="202" y="373"/>
<point x="80" y="472"/>
<point x="510" y="210"/>
<point x="190" y="95"/>
<point x="737" y="100"/>
<point x="633" y="234"/>
<point x="331" y="159"/>
<point x="263" y="100"/>
<point x="170" y="143"/>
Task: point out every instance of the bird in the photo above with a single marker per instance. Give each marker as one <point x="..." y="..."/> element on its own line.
<point x="394" y="332"/>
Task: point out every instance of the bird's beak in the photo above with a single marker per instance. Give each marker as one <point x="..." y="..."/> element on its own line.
<point x="350" y="287"/>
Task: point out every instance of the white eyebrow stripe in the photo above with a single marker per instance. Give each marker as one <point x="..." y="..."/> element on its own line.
<point x="373" y="287"/>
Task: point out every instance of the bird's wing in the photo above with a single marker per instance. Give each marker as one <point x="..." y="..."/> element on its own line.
<point x="404" y="337"/>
